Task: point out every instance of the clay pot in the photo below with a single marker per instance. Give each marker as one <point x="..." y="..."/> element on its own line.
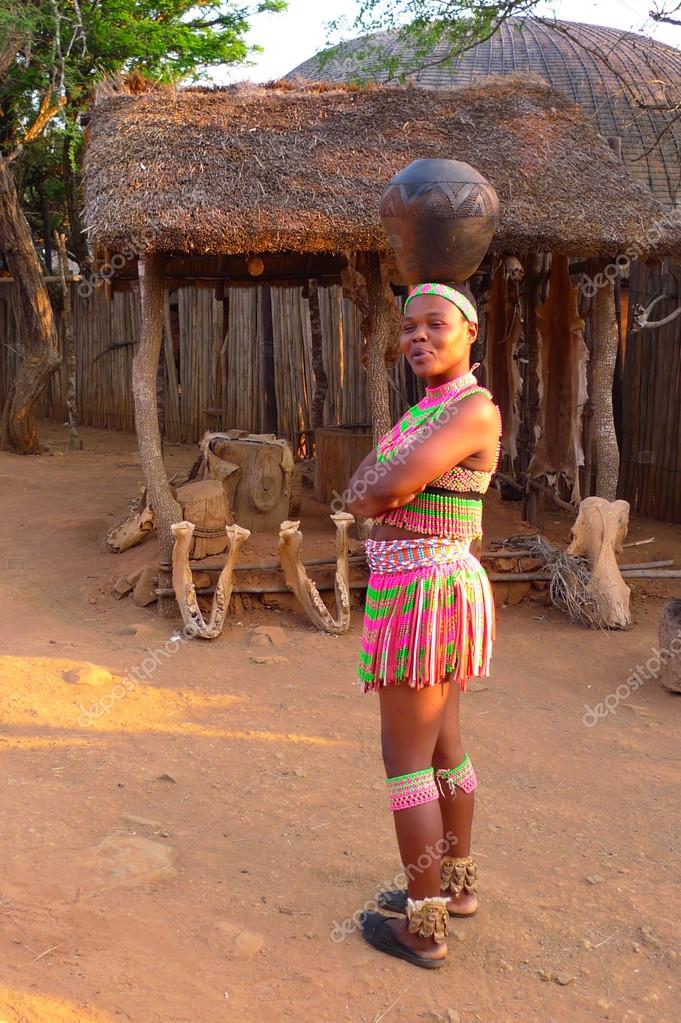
<point x="440" y="216"/>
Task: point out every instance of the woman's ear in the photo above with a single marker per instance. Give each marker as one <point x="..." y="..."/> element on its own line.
<point x="472" y="332"/>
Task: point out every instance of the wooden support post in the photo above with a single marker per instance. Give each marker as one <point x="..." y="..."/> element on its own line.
<point x="267" y="333"/>
<point x="144" y="369"/>
<point x="605" y="344"/>
<point x="321" y="381"/>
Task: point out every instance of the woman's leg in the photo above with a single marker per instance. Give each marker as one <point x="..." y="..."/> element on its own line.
<point x="410" y="724"/>
<point x="456" y="805"/>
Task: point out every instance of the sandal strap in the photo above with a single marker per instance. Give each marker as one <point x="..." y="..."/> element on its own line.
<point x="458" y="874"/>
<point x="428" y="918"/>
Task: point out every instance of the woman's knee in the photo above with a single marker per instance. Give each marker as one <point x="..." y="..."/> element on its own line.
<point x="448" y="752"/>
<point x="397" y="760"/>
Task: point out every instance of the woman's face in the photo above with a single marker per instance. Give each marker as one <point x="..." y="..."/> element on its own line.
<point x="436" y="337"/>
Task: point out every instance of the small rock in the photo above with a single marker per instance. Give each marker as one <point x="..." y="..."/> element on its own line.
<point x="636" y="947"/>
<point x="143" y="822"/>
<point x="649" y="938"/>
<point x="516" y="592"/>
<point x="126" y="860"/>
<point x="166" y="777"/>
<point x="268" y="659"/>
<point x="544" y="975"/>
<point x="145" y="587"/>
<point x="453" y="1016"/>
<point x="586" y="944"/>
<point x="88" y="675"/>
<point x="300" y="772"/>
<point x="504" y="966"/>
<point x="128" y="630"/>
<point x="564" y="979"/>
<point x="121" y="587"/>
<point x="246" y="944"/>
<point x="268" y="636"/>
<point x="594" y="879"/>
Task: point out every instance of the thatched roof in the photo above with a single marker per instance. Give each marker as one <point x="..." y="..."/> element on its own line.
<point x="629" y="84"/>
<point x="255" y="169"/>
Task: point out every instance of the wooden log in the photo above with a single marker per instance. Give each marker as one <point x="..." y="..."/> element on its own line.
<point x="260" y="491"/>
<point x="204" y="503"/>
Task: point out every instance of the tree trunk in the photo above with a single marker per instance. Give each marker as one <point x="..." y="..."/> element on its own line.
<point x="69" y="345"/>
<point x="41" y="353"/>
<point x="380" y="332"/>
<point x="144" y="369"/>
<point x="321" y="381"/>
<point x="78" y="238"/>
<point x="47" y="232"/>
<point x="605" y="344"/>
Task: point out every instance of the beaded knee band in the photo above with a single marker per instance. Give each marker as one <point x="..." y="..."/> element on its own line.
<point x="462" y="775"/>
<point x="407" y="790"/>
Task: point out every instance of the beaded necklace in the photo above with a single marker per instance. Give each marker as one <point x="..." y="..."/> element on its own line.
<point x="427" y="410"/>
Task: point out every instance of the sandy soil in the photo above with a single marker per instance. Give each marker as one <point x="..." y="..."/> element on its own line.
<point x="190" y="855"/>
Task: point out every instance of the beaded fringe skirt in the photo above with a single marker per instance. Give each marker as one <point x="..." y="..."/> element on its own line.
<point x="429" y="613"/>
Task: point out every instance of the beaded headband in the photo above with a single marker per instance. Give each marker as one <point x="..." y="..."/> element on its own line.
<point x="463" y="304"/>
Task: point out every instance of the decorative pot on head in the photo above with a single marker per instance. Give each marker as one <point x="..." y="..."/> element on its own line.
<point x="440" y="216"/>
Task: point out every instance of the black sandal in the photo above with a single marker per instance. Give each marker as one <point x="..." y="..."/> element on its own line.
<point x="378" y="932"/>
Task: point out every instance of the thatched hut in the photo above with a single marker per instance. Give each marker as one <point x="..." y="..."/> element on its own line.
<point x="629" y="86"/>
<point x="280" y="185"/>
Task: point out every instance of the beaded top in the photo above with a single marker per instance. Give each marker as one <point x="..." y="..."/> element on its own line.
<point x="439" y="510"/>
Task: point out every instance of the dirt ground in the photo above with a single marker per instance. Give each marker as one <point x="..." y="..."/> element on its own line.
<point x="191" y="854"/>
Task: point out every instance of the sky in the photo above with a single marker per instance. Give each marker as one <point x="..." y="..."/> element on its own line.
<point x="289" y="39"/>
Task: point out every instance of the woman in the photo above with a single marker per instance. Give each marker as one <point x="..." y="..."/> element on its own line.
<point x="429" y="616"/>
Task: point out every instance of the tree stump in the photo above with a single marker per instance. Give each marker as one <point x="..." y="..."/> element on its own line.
<point x="256" y="471"/>
<point x="670" y="646"/>
<point x="205" y="505"/>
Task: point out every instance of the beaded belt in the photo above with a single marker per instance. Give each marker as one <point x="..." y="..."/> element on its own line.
<point x="389" y="556"/>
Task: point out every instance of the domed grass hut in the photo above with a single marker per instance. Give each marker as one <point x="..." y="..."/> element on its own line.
<point x="280" y="185"/>
<point x="629" y="86"/>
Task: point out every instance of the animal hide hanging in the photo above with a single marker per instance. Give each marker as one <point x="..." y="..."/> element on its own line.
<point x="562" y="360"/>
<point x="504" y="329"/>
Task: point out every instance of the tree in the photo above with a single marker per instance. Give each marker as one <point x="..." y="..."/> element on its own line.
<point x="51" y="54"/>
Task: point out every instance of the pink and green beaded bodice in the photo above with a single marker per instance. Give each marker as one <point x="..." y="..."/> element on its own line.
<point x="440" y="509"/>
